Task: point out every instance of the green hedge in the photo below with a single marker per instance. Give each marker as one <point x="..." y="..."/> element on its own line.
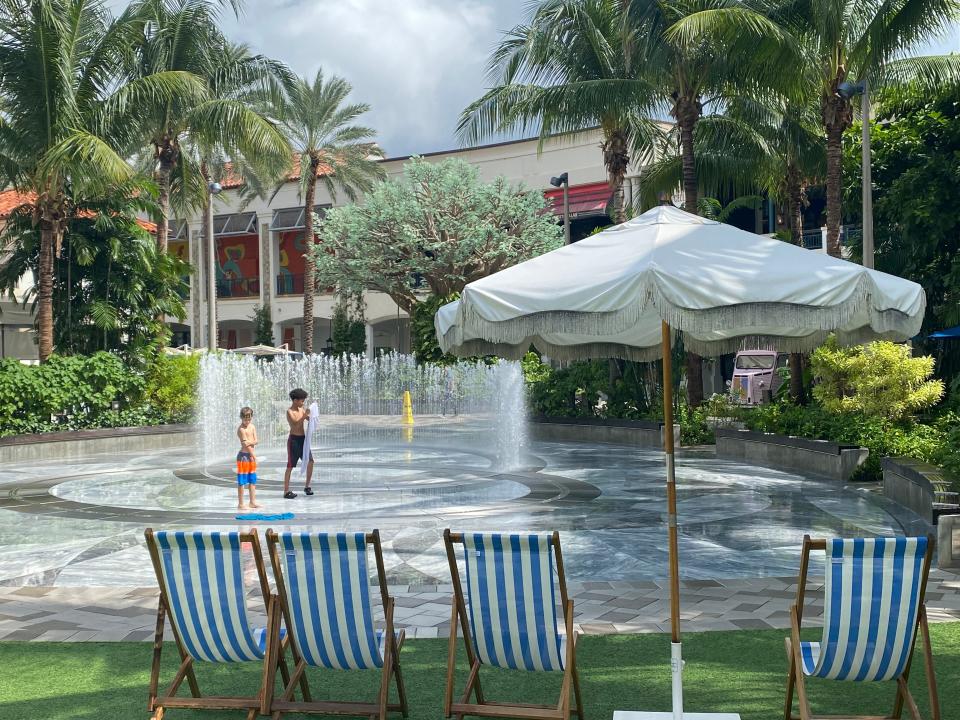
<point x="936" y="441"/>
<point x="77" y="392"/>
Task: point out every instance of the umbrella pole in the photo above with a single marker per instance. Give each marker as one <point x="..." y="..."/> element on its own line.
<point x="676" y="660"/>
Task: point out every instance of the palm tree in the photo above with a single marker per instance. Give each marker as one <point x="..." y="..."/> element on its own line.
<point x="843" y="41"/>
<point x="690" y="72"/>
<point x="759" y="144"/>
<point x="112" y="278"/>
<point x="330" y="149"/>
<point x="182" y="35"/>
<point x="574" y="65"/>
<point x="65" y="116"/>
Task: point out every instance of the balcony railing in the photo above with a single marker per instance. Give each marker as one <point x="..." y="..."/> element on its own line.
<point x="241" y="288"/>
<point x="293" y="285"/>
<point x="288" y="284"/>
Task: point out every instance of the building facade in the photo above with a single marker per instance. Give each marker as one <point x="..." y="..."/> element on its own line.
<point x="260" y="249"/>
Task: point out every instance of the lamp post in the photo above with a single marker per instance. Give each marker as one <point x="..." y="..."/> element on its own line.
<point x="213" y="188"/>
<point x="850" y="90"/>
<point x="564" y="180"/>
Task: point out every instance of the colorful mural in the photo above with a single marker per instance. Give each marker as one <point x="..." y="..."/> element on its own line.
<point x="179" y="249"/>
<point x="238" y="265"/>
<point x="292" y="247"/>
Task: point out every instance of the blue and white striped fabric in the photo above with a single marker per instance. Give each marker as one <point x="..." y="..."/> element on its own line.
<point x="203" y="580"/>
<point x="327" y="585"/>
<point x="872" y="597"/>
<point x="511" y="602"/>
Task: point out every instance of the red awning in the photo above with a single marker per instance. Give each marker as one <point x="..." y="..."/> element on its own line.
<point x="585" y="200"/>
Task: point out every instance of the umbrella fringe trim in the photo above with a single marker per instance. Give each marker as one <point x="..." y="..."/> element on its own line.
<point x="508" y="336"/>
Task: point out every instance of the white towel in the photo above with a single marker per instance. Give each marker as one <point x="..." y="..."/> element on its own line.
<point x="311" y="427"/>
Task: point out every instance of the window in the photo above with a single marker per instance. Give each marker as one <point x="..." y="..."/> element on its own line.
<point x="755" y="362"/>
<point x="235" y="224"/>
<point x="292" y="218"/>
<point x="782" y="360"/>
<point x="176" y="230"/>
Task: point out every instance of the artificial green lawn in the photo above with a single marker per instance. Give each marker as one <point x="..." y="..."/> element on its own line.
<point x="726" y="671"/>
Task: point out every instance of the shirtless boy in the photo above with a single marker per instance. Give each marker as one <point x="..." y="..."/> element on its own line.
<point x="297" y="416"/>
<point x="246" y="460"/>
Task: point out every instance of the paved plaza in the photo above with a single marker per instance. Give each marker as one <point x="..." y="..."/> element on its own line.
<point x="73" y="564"/>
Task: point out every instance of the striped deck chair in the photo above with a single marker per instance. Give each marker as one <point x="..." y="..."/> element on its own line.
<point x="509" y="620"/>
<point x="873" y="605"/>
<point x="323" y="583"/>
<point x="202" y="594"/>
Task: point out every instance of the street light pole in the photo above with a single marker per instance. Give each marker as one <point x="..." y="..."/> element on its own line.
<point x="564" y="180"/>
<point x="213" y="188"/>
<point x="849" y="90"/>
<point x="867" y="182"/>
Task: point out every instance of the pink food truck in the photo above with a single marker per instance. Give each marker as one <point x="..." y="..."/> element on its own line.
<point x="755" y="376"/>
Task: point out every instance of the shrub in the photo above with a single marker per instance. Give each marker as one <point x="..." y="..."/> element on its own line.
<point x="172" y="386"/>
<point x="694" y="428"/>
<point x="882" y="437"/>
<point x="423" y="333"/>
<point x="879" y="379"/>
<point x="262" y="325"/>
<point x="78" y="392"/>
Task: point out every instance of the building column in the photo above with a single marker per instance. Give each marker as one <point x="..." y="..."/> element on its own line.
<point x="368" y="336"/>
<point x="198" y="328"/>
<point x="266" y="272"/>
<point x="266" y="264"/>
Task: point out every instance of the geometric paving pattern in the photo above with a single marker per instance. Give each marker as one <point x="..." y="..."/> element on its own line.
<point x="79" y="523"/>
<point x="73" y="565"/>
<point x="111" y="614"/>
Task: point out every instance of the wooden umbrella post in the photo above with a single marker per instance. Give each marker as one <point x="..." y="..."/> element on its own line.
<point x="676" y="659"/>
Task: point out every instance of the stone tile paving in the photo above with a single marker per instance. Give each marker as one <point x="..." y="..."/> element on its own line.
<point x="115" y="613"/>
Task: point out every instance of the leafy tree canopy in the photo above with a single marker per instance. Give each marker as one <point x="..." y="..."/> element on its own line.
<point x="112" y="286"/>
<point x="915" y="159"/>
<point x="435" y="229"/>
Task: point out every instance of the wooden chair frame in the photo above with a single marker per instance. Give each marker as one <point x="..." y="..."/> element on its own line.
<point x="378" y="710"/>
<point x="488" y="708"/>
<point x="796" y="681"/>
<point x="273" y="657"/>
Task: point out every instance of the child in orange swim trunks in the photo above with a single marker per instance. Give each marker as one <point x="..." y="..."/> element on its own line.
<point x="246" y="460"/>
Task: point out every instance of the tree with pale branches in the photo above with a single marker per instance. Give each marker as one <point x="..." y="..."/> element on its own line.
<point x="432" y="231"/>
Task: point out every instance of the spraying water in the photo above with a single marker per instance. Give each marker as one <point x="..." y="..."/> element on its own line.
<point x="470" y="405"/>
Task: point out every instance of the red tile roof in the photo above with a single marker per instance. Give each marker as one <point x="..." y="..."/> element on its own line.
<point x="10" y="200"/>
<point x="231" y="181"/>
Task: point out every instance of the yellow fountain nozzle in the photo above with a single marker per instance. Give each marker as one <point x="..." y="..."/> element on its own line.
<point x="407" y="408"/>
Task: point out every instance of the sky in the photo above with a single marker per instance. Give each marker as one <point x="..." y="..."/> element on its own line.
<point x="418" y="63"/>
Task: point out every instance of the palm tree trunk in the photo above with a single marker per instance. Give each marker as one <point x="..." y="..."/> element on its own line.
<point x="794" y="205"/>
<point x="687" y="111"/>
<point x="795" y="218"/>
<point x="308" y="264"/>
<point x="48" y="243"/>
<point x="167" y="155"/>
<point x="834" y="170"/>
<point x="837" y="117"/>
<point x="616" y="159"/>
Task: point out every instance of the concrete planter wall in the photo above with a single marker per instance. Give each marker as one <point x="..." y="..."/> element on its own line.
<point x="638" y="433"/>
<point x="948" y="542"/>
<point x="68" y="445"/>
<point x="820" y="457"/>
<point x="917" y="486"/>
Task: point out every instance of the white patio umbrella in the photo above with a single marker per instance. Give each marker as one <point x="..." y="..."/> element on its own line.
<point x="261" y="351"/>
<point x="627" y="290"/>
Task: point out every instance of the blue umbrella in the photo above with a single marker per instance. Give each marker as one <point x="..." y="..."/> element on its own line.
<point x="949" y="333"/>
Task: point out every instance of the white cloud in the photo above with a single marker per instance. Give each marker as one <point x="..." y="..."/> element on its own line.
<point x="416" y="62"/>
